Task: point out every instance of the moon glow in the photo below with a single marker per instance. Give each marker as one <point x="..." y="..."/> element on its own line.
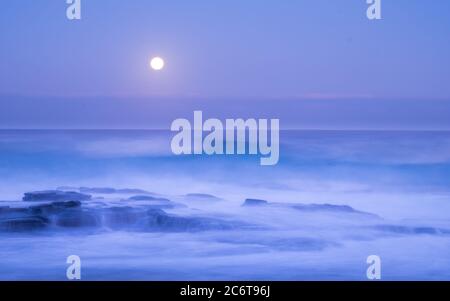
<point x="157" y="63"/>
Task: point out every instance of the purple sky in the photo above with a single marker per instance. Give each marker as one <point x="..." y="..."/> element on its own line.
<point x="311" y="63"/>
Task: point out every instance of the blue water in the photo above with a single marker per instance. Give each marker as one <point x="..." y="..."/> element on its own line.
<point x="401" y="177"/>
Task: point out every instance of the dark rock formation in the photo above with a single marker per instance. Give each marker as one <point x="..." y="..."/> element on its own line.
<point x="8" y="212"/>
<point x="324" y="207"/>
<point x="24" y="223"/>
<point x="159" y="220"/>
<point x="122" y="217"/>
<point x="77" y="219"/>
<point x="319" y="208"/>
<point x="255" y="202"/>
<point x="329" y="208"/>
<point x="54" y="207"/>
<point x="147" y="198"/>
<point x="57" y="209"/>
<point x="54" y="195"/>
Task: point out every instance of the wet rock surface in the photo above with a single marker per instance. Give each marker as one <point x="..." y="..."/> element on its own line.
<point x="56" y="209"/>
<point x="254" y="202"/>
<point x="328" y="208"/>
<point x="159" y="220"/>
<point x="29" y="223"/>
<point x="202" y="197"/>
<point x="318" y="208"/>
<point x="147" y="198"/>
<point x="77" y="219"/>
<point x="54" y="195"/>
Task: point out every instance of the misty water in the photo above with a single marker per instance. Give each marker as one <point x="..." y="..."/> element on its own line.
<point x="334" y="198"/>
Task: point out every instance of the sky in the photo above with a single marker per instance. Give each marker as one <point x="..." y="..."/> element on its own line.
<point x="311" y="63"/>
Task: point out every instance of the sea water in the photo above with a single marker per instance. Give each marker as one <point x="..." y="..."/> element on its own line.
<point x="402" y="178"/>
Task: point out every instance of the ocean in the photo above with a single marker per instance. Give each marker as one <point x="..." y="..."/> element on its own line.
<point x="138" y="212"/>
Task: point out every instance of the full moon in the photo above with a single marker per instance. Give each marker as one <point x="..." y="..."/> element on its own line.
<point x="157" y="63"/>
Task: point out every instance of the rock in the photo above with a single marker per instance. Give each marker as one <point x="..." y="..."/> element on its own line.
<point x="54" y="195"/>
<point x="329" y="208"/>
<point x="156" y="202"/>
<point x="324" y="207"/>
<point x="73" y="218"/>
<point x="20" y="219"/>
<point x="54" y="207"/>
<point x="33" y="217"/>
<point x="147" y="198"/>
<point x="320" y="208"/>
<point x="64" y="209"/>
<point x="120" y="217"/>
<point x="7" y="213"/>
<point x="255" y="202"/>
<point x="24" y="223"/>
<point x="202" y="197"/>
<point x="159" y="220"/>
